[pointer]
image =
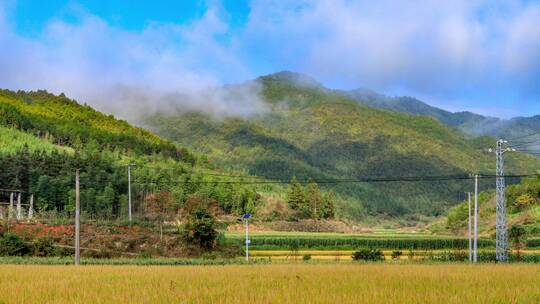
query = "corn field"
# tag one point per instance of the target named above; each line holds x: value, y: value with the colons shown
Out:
x: 261, y: 243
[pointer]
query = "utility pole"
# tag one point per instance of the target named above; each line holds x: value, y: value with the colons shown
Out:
x: 470, y: 228
x: 247, y: 241
x: 77, y: 220
x: 500, y: 223
x: 19, y: 207
x: 31, y: 208
x: 475, y: 256
x: 129, y: 191
x: 10, y: 210
x: 502, y: 237
x: 246, y: 217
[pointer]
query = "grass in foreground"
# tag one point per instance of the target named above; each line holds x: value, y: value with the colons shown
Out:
x: 271, y: 284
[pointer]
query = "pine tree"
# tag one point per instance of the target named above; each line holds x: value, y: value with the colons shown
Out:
x: 328, y: 206
x: 314, y: 204
x: 296, y: 198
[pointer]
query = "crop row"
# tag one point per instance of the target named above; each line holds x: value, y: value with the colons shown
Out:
x: 297, y: 243
x: 533, y: 242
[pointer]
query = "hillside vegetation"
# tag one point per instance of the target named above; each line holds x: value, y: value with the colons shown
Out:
x: 13, y: 141
x: 45, y: 138
x: 63, y: 121
x: 468, y: 122
x: 310, y: 132
x: 523, y: 209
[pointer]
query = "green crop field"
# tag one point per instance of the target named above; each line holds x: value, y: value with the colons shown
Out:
x: 335, y: 241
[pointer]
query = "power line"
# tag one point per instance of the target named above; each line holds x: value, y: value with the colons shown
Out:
x: 201, y: 173
x: 524, y: 136
x: 362, y: 180
x: 524, y: 141
x: 529, y: 151
x: 242, y: 179
x: 525, y: 144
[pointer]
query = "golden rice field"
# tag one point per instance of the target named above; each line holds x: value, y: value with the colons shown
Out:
x: 362, y: 283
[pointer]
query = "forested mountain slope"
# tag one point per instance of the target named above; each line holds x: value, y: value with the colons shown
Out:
x: 308, y: 132
x: 468, y: 122
x: 312, y: 132
x: 45, y: 138
x: 65, y: 122
x: 411, y: 105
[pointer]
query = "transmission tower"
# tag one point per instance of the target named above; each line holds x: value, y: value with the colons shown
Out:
x: 500, y: 224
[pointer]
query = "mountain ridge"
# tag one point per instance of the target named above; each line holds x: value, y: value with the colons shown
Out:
x: 314, y: 132
x: 470, y: 123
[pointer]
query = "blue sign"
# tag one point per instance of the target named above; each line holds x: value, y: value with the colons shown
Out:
x: 246, y: 216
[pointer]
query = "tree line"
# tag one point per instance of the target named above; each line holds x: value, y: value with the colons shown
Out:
x: 309, y: 202
x: 50, y: 177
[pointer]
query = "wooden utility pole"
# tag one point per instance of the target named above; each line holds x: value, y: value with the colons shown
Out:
x: 77, y: 220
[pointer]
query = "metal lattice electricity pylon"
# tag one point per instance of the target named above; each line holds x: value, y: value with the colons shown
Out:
x: 500, y: 224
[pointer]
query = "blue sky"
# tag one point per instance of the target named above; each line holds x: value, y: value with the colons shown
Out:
x: 480, y: 55
x: 31, y: 16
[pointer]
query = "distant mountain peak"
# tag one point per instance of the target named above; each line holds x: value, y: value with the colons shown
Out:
x: 468, y: 122
x: 298, y: 79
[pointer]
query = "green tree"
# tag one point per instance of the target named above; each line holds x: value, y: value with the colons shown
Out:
x: 314, y: 204
x: 296, y: 197
x: 516, y: 234
x: 310, y: 202
x: 200, y: 229
x: 105, y: 201
x: 328, y: 208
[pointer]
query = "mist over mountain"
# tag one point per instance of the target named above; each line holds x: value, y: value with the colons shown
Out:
x: 414, y: 106
x: 312, y: 132
x: 468, y: 122
x: 295, y: 128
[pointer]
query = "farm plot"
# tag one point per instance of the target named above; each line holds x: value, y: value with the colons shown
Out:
x: 336, y: 241
x: 364, y: 283
x: 346, y: 255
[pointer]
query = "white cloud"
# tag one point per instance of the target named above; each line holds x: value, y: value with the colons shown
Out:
x: 121, y: 71
x: 522, y: 52
x: 444, y: 50
x: 429, y: 47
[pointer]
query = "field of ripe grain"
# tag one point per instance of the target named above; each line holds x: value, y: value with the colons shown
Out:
x: 362, y: 283
x: 345, y: 255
